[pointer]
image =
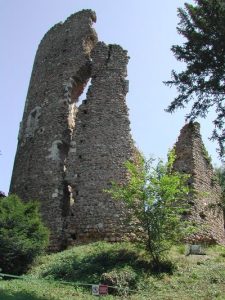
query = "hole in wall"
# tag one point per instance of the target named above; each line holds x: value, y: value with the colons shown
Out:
x: 73, y: 236
x: 41, y: 130
x: 65, y: 204
x: 33, y: 114
x: 191, y: 202
x: 202, y: 215
x: 33, y: 121
x: 83, y: 94
x: 77, y: 86
x: 63, y: 151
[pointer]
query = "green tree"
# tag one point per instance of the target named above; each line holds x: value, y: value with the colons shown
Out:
x: 2, y: 194
x: 202, y: 83
x: 22, y: 234
x: 157, y: 197
x: 220, y: 172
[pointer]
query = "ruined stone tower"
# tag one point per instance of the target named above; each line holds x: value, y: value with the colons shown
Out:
x: 66, y: 154
x: 103, y: 144
x: 205, y: 198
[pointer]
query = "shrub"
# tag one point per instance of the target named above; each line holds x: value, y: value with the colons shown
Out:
x: 123, y: 278
x: 2, y: 195
x: 157, y: 197
x: 22, y: 234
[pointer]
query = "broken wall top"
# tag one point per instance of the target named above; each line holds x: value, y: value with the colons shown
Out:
x: 205, y: 195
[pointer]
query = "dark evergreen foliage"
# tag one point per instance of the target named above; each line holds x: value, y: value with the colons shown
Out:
x: 203, y: 81
x: 22, y: 234
x: 2, y: 195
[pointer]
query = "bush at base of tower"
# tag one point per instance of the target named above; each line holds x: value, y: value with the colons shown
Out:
x: 22, y: 234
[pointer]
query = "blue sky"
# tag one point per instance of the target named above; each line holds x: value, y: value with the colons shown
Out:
x: 146, y: 28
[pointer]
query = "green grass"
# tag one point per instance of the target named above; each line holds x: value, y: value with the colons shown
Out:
x: 122, y: 265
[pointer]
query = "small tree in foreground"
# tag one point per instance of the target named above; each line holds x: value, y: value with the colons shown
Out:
x: 22, y: 234
x: 157, y: 195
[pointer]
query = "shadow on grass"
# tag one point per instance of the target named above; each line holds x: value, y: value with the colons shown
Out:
x: 92, y: 267
x: 8, y: 295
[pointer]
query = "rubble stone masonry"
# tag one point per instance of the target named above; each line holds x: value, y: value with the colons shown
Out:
x: 205, y: 198
x: 102, y: 144
x: 67, y: 154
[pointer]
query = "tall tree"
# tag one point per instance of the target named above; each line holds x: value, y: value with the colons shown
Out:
x: 203, y: 81
x: 220, y: 172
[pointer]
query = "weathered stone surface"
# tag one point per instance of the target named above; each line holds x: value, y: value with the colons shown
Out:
x: 102, y: 145
x: 67, y: 154
x: 61, y: 69
x: 205, y: 198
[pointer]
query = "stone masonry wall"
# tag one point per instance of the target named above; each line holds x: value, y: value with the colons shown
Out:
x: 205, y: 198
x: 61, y: 69
x: 67, y: 154
x: 102, y: 145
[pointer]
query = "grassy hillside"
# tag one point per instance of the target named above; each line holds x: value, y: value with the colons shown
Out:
x: 123, y: 266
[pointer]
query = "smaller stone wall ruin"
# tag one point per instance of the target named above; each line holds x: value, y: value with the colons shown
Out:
x: 205, y: 197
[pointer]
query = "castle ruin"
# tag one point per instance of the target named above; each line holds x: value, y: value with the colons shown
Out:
x: 68, y: 153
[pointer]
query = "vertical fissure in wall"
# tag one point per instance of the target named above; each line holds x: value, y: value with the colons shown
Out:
x: 80, y: 84
x: 83, y: 95
x: 67, y: 199
x: 63, y: 150
x: 65, y: 202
